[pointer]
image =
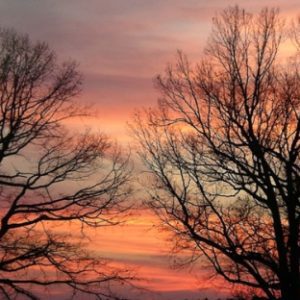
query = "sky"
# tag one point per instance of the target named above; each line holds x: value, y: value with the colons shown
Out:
x: 120, y: 46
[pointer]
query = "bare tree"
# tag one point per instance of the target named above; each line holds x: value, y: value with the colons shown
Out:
x: 223, y: 146
x: 50, y: 176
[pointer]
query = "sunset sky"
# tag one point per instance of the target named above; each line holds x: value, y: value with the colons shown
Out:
x: 120, y: 46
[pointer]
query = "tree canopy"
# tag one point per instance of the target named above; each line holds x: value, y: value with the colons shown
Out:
x: 51, y: 175
x: 222, y: 146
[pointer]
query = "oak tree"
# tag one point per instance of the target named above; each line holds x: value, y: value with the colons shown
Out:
x: 223, y: 150
x: 50, y: 176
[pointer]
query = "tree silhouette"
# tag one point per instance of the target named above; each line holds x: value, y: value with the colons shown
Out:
x: 223, y: 149
x: 50, y: 176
